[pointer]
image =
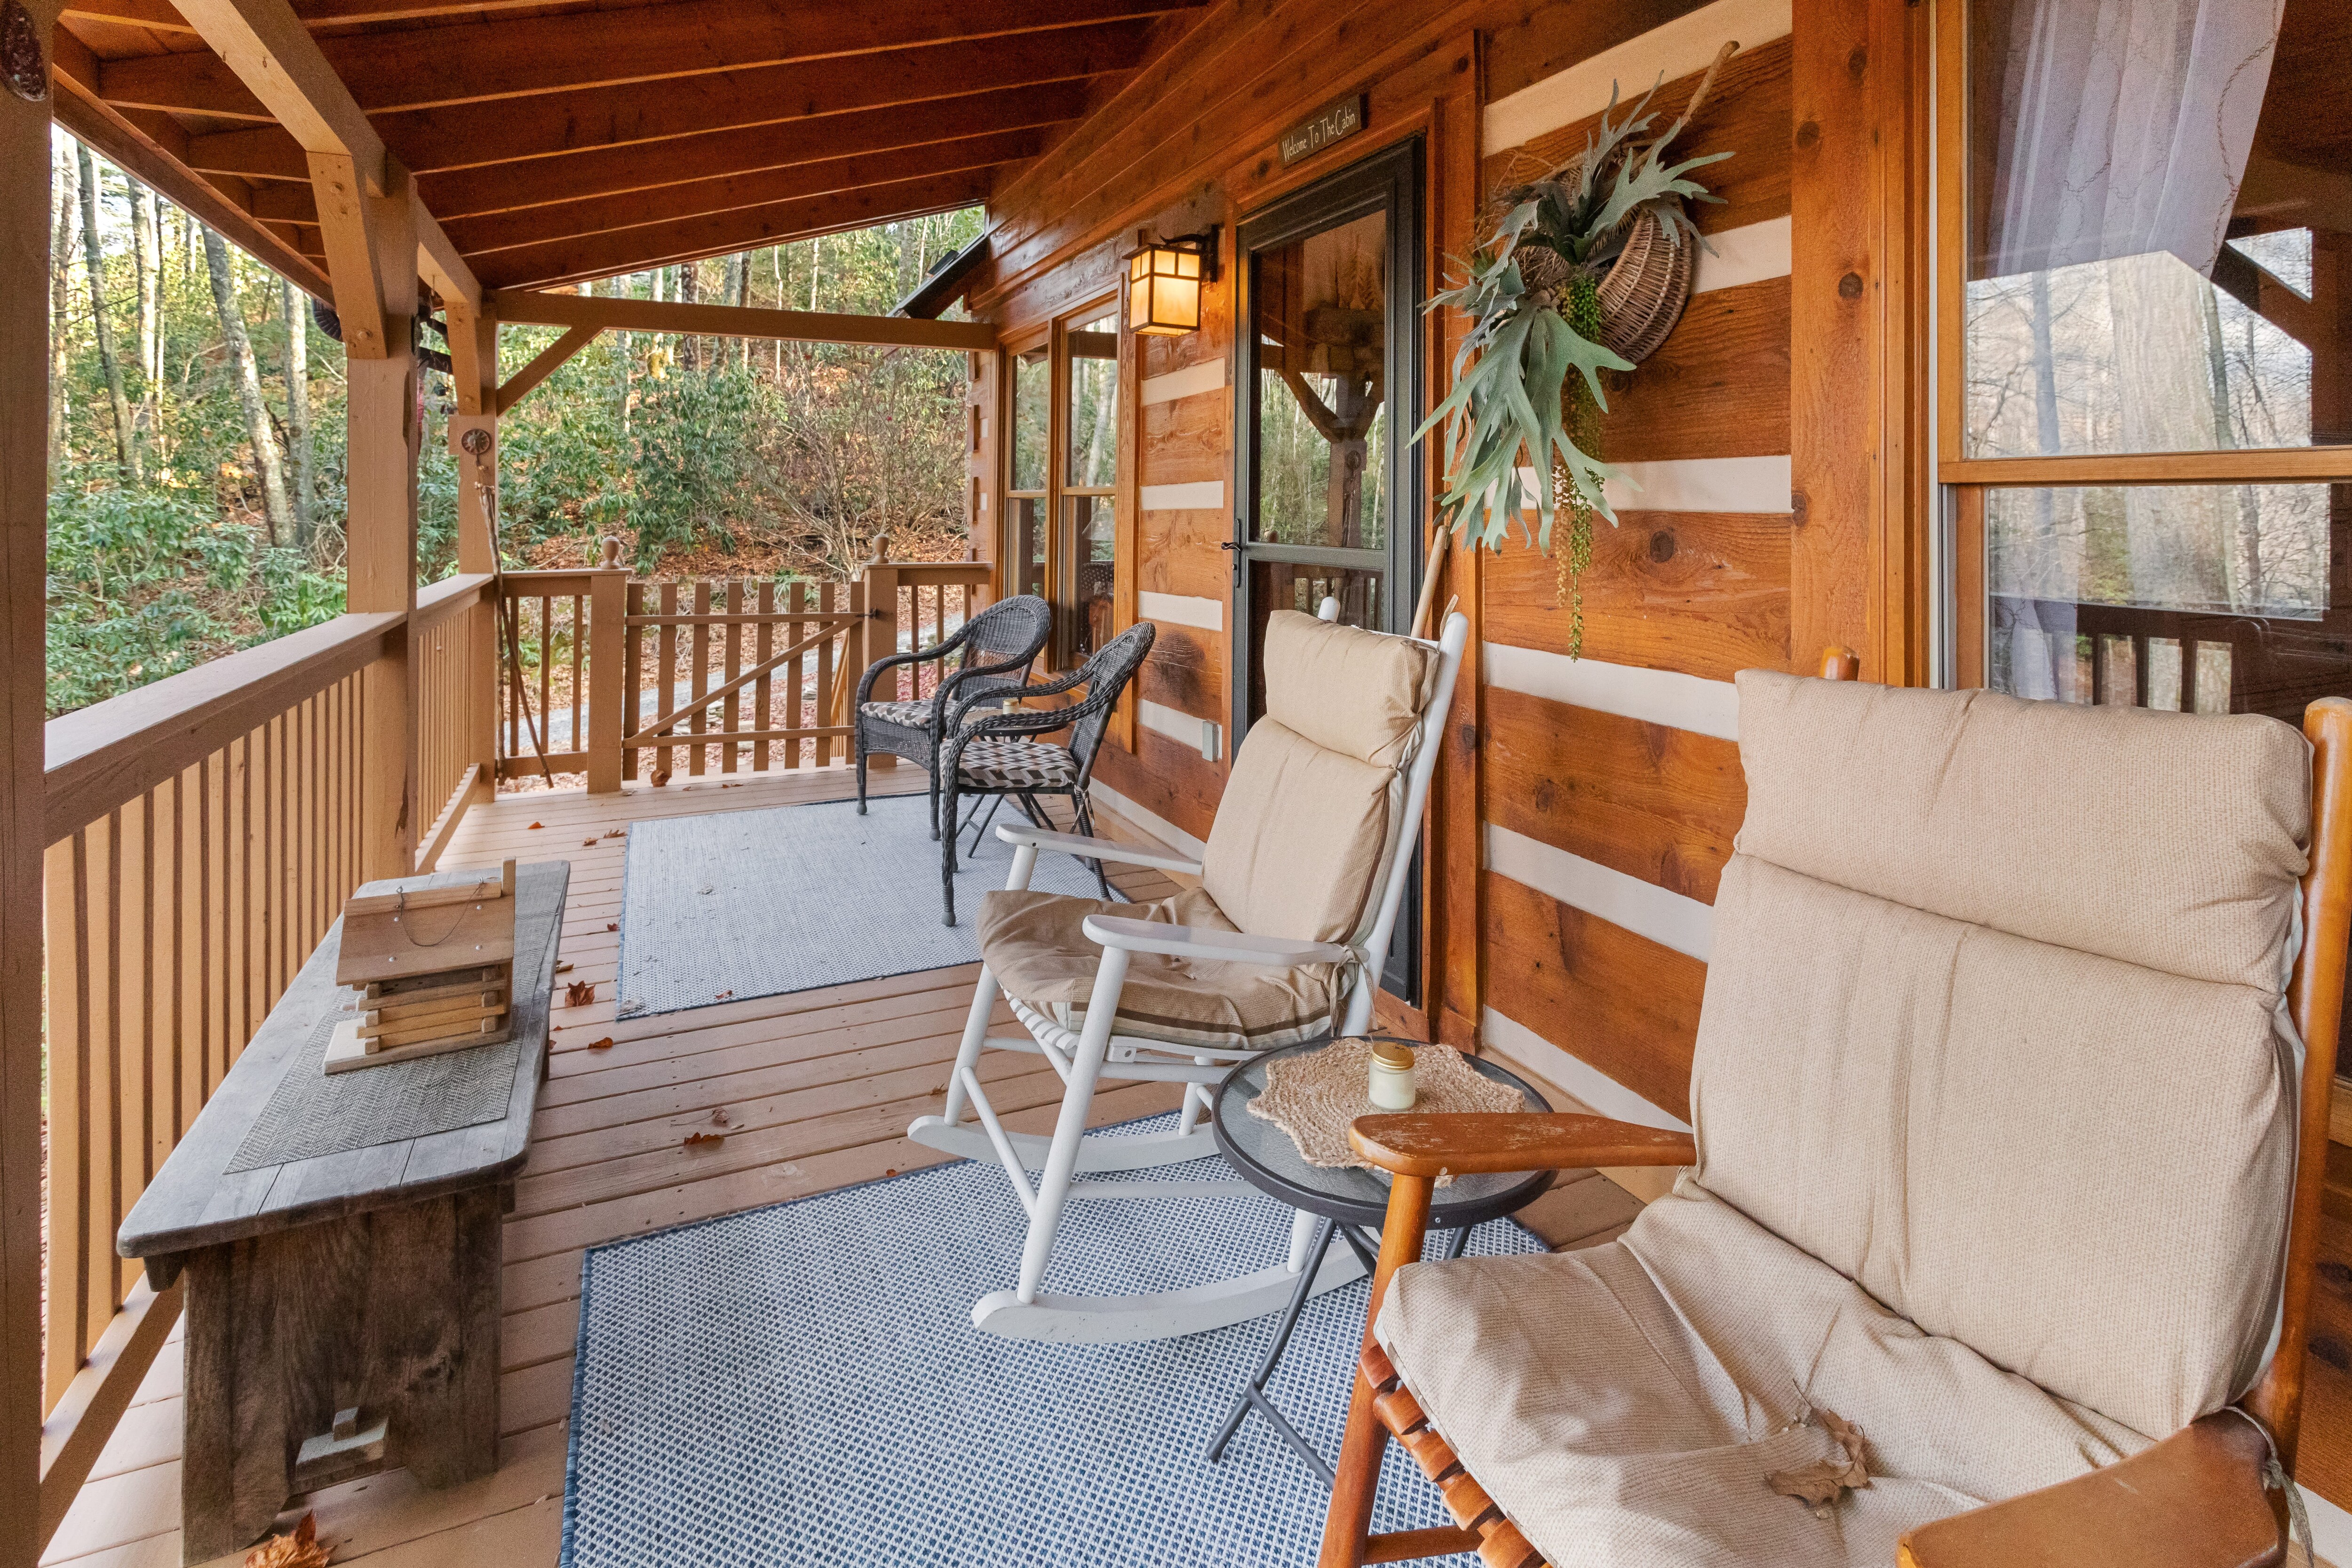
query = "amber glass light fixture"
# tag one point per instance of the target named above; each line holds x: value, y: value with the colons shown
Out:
x: 1163, y: 283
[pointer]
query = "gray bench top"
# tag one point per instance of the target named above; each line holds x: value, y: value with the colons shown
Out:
x: 200, y: 1197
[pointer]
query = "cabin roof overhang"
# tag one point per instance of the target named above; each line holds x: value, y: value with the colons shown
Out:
x: 556, y: 144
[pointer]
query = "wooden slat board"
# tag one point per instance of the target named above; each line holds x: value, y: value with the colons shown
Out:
x: 192, y: 1202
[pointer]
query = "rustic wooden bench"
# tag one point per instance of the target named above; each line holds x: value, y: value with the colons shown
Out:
x: 342, y: 1246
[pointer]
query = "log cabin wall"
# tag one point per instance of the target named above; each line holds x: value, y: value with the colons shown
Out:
x: 1587, y: 809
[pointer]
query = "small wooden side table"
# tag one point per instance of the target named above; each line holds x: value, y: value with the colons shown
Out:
x: 1348, y: 1201
x: 344, y: 1307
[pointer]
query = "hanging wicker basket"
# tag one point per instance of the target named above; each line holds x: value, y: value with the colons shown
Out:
x: 1645, y: 289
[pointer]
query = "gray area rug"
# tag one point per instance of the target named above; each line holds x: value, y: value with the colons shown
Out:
x: 758, y: 903
x: 311, y: 1113
x: 801, y: 1386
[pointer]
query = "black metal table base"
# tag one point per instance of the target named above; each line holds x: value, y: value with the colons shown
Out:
x: 1253, y: 1395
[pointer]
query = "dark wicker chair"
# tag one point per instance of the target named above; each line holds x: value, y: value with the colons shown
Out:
x: 997, y: 754
x: 997, y: 645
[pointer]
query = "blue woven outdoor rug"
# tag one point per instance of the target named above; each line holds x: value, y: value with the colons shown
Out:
x: 801, y: 1386
x: 734, y: 904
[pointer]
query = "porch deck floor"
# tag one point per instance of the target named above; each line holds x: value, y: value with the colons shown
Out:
x: 818, y: 1086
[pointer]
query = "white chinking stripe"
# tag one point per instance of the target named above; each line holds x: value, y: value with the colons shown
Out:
x: 1682, y: 47
x: 1182, y: 609
x: 1201, y: 495
x: 1172, y: 722
x: 1597, y: 1091
x: 1185, y: 382
x: 1152, y: 822
x: 1693, y: 484
x: 1654, y: 696
x: 1749, y: 254
x: 1668, y: 918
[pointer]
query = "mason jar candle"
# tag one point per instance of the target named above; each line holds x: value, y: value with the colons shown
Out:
x: 1391, y: 1076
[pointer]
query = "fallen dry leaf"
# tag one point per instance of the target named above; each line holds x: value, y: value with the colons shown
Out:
x: 612, y: 925
x: 587, y: 844
x: 705, y: 1140
x: 604, y: 1044
x: 563, y: 969
x: 580, y: 993
x: 719, y: 1117
x: 537, y: 825
x: 722, y: 995
x: 298, y: 1549
x: 661, y: 778
x: 1822, y: 1482
x: 890, y: 1172
x: 618, y: 832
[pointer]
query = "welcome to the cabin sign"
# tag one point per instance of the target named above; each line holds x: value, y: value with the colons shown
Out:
x: 1332, y: 122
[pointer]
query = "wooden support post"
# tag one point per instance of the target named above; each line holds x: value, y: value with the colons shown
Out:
x: 380, y: 558
x: 24, y: 609
x: 608, y: 678
x: 474, y: 443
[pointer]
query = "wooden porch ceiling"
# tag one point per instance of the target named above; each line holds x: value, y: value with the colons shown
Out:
x: 579, y: 138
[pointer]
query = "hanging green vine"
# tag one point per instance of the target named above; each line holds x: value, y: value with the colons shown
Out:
x: 1526, y: 391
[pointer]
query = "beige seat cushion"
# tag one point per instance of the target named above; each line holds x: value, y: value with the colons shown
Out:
x: 1035, y: 945
x: 1992, y: 1024
x: 1624, y: 1403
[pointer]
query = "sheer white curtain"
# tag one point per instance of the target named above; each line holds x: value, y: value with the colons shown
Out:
x: 2124, y: 127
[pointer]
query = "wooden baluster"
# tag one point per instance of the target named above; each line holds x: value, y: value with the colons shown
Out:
x: 701, y: 720
x: 796, y: 603
x: 731, y: 720
x: 632, y: 676
x: 818, y: 708
x: 102, y: 1094
x: 65, y: 937
x: 546, y: 668
x: 763, y: 696
x: 579, y: 688
x: 664, y: 758
x: 610, y: 674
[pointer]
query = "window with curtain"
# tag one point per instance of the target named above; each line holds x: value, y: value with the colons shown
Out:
x: 2149, y: 400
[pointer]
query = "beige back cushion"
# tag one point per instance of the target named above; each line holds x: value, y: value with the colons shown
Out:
x: 1303, y: 831
x: 1991, y: 1025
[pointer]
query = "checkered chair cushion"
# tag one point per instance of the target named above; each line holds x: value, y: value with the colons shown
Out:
x: 912, y: 715
x: 991, y: 763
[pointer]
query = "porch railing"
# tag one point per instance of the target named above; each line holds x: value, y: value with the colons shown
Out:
x: 642, y: 681
x: 203, y: 833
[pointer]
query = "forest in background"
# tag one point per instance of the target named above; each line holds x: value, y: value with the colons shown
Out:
x: 198, y: 419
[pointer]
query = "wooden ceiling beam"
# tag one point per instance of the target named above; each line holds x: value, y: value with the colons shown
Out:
x: 612, y: 171
x: 275, y: 58
x: 534, y: 226
x: 154, y: 148
x: 263, y: 153
x: 524, y: 307
x: 483, y: 59
x: 465, y: 136
x: 722, y: 234
x: 160, y: 15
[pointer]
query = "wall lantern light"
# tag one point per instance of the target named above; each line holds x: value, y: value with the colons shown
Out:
x: 1163, y: 282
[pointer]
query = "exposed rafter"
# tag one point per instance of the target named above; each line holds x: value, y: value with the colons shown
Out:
x: 534, y: 226
x: 489, y: 59
x: 721, y: 233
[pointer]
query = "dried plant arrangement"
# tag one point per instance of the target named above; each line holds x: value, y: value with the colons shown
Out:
x: 1585, y: 270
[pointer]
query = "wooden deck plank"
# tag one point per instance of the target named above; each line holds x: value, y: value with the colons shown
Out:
x: 819, y: 1087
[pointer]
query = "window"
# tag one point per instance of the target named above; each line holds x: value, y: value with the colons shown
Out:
x: 2146, y: 294
x: 1060, y: 511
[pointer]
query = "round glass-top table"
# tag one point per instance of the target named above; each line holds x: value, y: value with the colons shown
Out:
x: 1348, y: 1202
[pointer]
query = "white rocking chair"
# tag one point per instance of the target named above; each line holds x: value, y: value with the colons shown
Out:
x: 1284, y: 940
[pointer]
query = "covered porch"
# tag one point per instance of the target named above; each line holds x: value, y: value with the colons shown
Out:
x: 1196, y: 340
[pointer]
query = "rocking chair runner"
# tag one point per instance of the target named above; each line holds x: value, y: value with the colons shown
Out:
x: 1282, y: 941
x: 997, y: 645
x: 1998, y: 1157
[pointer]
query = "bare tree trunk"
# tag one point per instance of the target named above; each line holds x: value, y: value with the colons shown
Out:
x: 126, y: 450
x: 297, y: 410
x: 274, y: 510
x: 147, y: 264
x: 689, y: 347
x: 739, y: 294
x: 817, y: 266
x: 60, y: 309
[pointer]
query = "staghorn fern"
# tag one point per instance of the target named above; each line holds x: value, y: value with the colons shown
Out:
x: 1530, y: 294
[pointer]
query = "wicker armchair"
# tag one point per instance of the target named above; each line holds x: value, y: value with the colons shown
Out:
x: 998, y: 754
x: 997, y: 645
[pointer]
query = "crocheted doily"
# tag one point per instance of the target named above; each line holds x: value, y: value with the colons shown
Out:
x: 1315, y: 1096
